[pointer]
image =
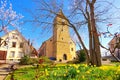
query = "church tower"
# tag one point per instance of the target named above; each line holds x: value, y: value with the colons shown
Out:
x: 64, y: 47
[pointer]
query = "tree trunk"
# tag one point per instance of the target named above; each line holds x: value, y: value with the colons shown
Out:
x: 90, y: 37
x: 80, y: 40
x: 96, y: 55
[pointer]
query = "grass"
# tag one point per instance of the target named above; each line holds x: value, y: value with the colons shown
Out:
x: 68, y: 72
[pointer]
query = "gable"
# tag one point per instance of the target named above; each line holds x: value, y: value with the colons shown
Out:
x: 15, y: 34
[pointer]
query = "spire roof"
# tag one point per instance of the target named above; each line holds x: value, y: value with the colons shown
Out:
x: 61, y: 14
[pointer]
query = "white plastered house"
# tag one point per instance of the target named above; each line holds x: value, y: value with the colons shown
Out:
x: 16, y: 46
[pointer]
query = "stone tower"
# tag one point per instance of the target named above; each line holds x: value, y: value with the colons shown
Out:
x: 64, y: 47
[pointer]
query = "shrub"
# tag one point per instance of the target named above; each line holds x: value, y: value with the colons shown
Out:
x: 33, y: 61
x: 26, y: 60
x: 81, y: 56
x: 46, y: 59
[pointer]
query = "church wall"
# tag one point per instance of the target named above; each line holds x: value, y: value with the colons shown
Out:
x: 49, y: 48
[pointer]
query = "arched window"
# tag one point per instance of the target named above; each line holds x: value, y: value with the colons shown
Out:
x: 64, y: 57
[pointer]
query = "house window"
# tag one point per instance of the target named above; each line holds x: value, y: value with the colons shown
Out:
x: 13, y: 44
x: 112, y: 46
x: 71, y: 49
x: 20, y: 54
x: 21, y: 45
x: 13, y: 37
x: 11, y: 59
x: 12, y: 54
x: 5, y: 43
x: 118, y: 40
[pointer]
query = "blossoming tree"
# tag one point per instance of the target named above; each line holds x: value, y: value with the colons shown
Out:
x: 8, y: 18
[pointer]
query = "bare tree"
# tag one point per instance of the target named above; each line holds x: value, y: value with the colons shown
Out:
x: 86, y: 8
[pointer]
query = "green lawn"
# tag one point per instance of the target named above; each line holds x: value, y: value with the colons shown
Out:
x: 68, y: 72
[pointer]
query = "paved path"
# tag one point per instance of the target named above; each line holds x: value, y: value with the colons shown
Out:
x: 4, y: 71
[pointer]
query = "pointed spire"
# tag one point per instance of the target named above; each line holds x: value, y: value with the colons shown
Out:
x: 60, y: 14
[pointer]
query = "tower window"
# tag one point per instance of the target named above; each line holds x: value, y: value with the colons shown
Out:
x: 62, y: 38
x: 63, y: 23
x: 71, y: 49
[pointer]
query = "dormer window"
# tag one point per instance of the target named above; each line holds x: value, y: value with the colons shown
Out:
x: 14, y: 36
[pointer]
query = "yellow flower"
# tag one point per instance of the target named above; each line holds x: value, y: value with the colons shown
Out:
x: 66, y: 71
x: 118, y: 70
x: 88, y: 72
x: 55, y: 74
x: 47, y: 74
x: 76, y: 66
x: 45, y: 70
x: 64, y: 74
x: 70, y: 65
x: 86, y: 65
x: 83, y: 77
x: 94, y: 65
x: 104, y: 68
x: 58, y: 68
x: 78, y: 71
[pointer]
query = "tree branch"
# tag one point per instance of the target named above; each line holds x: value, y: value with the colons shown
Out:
x: 112, y: 52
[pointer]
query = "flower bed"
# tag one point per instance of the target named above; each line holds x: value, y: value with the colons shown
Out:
x: 68, y: 72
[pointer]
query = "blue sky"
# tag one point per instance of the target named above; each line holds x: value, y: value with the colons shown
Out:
x: 35, y: 33
x: 28, y: 30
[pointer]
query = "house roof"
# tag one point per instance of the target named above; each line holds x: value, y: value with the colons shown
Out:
x: 113, y: 41
x: 109, y: 57
x: 16, y: 32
